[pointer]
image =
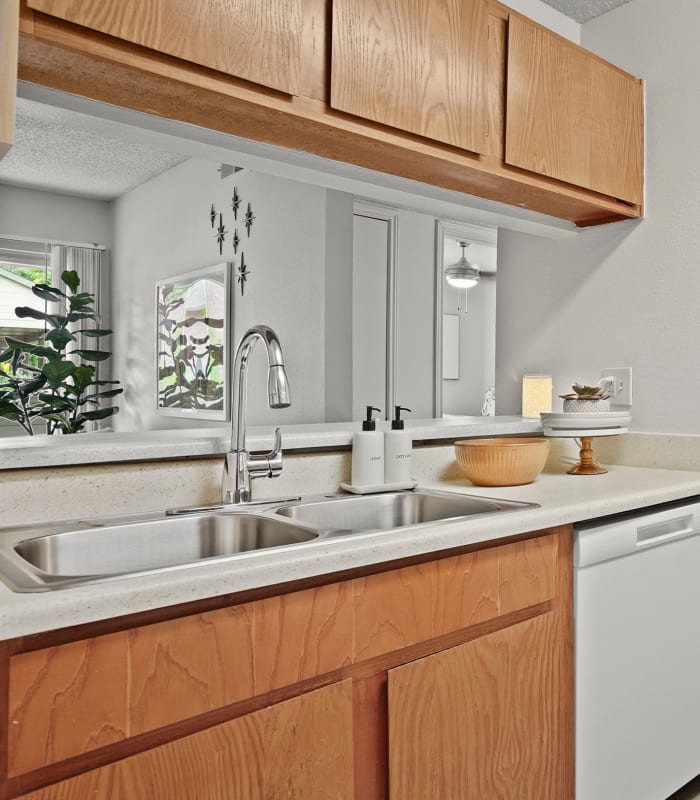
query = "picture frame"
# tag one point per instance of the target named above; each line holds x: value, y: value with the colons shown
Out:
x: 450, y: 347
x: 193, y: 348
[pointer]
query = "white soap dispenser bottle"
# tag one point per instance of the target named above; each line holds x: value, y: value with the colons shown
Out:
x: 398, y: 447
x: 368, y: 453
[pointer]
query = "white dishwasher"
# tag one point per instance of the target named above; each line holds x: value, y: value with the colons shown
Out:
x: 637, y: 624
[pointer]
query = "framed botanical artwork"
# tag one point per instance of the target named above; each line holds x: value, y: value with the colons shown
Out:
x: 193, y: 324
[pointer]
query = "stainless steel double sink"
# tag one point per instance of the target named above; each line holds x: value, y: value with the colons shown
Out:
x: 46, y: 557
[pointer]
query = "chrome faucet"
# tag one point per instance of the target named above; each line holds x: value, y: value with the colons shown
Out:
x: 240, y: 466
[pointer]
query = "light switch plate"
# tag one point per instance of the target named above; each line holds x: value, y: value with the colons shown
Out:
x: 621, y: 394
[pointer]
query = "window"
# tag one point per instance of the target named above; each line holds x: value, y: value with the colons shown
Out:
x: 25, y: 263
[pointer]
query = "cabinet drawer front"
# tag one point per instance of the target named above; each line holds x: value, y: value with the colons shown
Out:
x: 299, y: 748
x: 76, y: 697
x: 402, y: 607
x: 527, y: 572
x: 259, y: 42
x: 572, y: 116
x: 67, y: 700
x: 73, y: 698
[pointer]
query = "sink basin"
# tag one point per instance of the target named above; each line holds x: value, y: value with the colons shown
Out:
x: 98, y: 551
x: 45, y: 557
x: 355, y: 514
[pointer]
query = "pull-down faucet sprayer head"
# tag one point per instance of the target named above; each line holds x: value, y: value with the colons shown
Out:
x: 278, y: 395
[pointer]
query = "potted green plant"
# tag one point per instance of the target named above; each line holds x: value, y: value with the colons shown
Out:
x: 47, y: 382
x: 585, y: 399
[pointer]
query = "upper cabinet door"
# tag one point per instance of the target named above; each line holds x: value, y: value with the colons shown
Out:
x: 417, y: 65
x: 253, y: 40
x: 572, y: 116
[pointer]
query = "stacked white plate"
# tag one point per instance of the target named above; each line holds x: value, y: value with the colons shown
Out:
x: 591, y: 423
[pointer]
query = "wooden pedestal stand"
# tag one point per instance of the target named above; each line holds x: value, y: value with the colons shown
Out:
x: 587, y: 464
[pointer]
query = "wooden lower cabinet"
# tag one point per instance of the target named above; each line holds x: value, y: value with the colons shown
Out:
x: 301, y: 748
x: 445, y: 679
x: 480, y: 721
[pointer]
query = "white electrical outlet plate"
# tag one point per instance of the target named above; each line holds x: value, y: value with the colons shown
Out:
x: 621, y: 394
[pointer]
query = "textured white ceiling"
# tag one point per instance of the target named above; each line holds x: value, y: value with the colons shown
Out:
x: 583, y: 10
x: 72, y: 153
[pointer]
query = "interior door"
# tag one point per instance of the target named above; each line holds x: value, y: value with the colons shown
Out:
x: 417, y: 65
x: 572, y: 116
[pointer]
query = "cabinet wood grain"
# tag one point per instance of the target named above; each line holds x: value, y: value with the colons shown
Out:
x: 299, y: 748
x: 302, y: 634
x: 70, y: 699
x: 467, y: 590
x: 73, y: 59
x: 572, y: 116
x: 9, y: 36
x: 259, y: 42
x: 417, y: 65
x: 480, y: 719
x: 393, y: 609
x: 188, y: 666
x: 527, y: 572
x: 66, y: 700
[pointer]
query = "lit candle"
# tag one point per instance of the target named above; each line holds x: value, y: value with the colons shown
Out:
x: 537, y: 395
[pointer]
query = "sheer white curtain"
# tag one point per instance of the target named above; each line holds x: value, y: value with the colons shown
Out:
x: 89, y: 263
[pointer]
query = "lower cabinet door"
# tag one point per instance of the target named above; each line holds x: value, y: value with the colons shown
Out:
x: 300, y: 748
x: 480, y: 721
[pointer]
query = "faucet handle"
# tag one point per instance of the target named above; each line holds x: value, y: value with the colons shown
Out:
x: 276, y: 447
x: 268, y: 465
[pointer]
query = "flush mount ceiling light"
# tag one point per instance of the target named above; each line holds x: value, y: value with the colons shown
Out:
x: 463, y: 274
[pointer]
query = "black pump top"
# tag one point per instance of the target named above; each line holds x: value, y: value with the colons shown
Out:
x: 369, y: 424
x: 397, y: 422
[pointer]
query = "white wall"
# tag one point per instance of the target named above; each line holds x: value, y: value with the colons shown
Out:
x: 162, y: 228
x: 626, y: 294
x: 415, y: 314
x: 54, y: 217
x: 477, y: 342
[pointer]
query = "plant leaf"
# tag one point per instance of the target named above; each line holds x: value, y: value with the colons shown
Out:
x: 95, y: 332
x: 24, y: 311
x: 33, y: 349
x: 99, y: 413
x: 57, y: 371
x: 9, y: 410
x: 71, y: 279
x: 48, y: 293
x: 29, y: 387
x: 92, y: 355
x: 59, y: 337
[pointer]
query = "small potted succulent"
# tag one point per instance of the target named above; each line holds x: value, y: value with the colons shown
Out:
x: 585, y: 399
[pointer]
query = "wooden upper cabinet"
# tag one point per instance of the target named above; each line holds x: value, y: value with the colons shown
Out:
x: 9, y: 29
x: 417, y: 65
x: 572, y: 116
x: 253, y: 40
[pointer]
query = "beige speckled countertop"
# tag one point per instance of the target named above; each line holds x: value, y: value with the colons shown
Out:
x: 562, y: 499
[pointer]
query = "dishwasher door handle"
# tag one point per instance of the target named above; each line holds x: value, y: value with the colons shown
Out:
x: 659, y: 532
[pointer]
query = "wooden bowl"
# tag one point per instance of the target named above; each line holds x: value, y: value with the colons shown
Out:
x: 502, y: 462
